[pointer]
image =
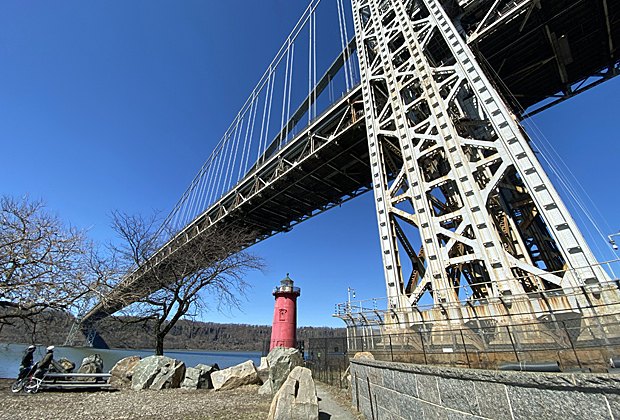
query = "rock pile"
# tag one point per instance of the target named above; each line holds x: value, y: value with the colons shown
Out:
x: 159, y: 372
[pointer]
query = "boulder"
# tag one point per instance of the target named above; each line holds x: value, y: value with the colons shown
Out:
x: 157, y: 372
x: 199, y: 377
x: 296, y: 398
x: 91, y: 364
x: 263, y: 370
x: 63, y: 365
x: 192, y: 378
x: 122, y: 372
x: 235, y: 376
x: 281, y: 362
x: 363, y: 355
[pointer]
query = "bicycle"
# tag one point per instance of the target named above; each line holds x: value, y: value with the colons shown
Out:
x: 24, y: 377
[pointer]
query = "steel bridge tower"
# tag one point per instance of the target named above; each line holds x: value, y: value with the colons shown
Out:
x: 450, y: 161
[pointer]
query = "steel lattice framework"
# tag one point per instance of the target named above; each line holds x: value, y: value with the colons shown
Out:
x: 449, y: 159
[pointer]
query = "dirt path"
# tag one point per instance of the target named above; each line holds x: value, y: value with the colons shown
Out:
x: 334, y: 404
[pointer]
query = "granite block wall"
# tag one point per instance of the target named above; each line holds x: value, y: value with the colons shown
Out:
x: 388, y: 390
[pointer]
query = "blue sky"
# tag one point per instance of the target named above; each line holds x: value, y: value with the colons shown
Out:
x: 116, y: 104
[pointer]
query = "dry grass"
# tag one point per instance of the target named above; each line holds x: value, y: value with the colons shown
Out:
x: 240, y: 403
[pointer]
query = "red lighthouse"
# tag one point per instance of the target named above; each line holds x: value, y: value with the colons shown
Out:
x: 284, y: 327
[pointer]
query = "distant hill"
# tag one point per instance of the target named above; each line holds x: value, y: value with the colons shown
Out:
x: 124, y: 332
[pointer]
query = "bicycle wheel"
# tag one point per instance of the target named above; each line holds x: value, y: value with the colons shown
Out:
x: 32, y: 387
x: 18, y: 385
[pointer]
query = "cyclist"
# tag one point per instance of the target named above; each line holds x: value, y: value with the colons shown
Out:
x: 45, y: 363
x: 26, y: 363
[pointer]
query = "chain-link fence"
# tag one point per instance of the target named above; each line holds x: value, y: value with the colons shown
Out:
x: 328, y: 358
x: 570, y: 344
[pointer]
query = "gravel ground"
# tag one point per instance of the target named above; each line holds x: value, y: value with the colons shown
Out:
x: 240, y: 403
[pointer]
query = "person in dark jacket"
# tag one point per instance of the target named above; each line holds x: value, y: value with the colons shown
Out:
x: 26, y: 363
x: 45, y: 363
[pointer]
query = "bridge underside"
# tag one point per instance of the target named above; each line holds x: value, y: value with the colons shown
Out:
x: 534, y: 52
x: 542, y: 52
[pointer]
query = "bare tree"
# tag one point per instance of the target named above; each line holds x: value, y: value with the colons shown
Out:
x: 42, y: 262
x: 213, y: 267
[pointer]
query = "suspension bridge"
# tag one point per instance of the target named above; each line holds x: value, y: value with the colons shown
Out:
x: 421, y: 103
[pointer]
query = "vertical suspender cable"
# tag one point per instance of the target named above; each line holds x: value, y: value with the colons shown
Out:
x: 203, y: 193
x: 247, y: 156
x: 310, y: 84
x: 268, y: 115
x: 231, y: 146
x: 288, y: 58
x: 314, y: 38
x: 236, y: 142
x: 288, y: 94
x: 264, y: 118
x: 342, y: 43
x: 241, y: 171
x: 216, y: 170
x: 347, y: 57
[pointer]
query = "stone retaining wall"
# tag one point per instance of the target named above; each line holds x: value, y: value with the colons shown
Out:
x: 388, y: 390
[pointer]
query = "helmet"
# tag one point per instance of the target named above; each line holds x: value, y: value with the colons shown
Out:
x: 50, y: 348
x: 32, y: 348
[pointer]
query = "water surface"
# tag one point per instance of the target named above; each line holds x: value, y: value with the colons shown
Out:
x: 11, y: 354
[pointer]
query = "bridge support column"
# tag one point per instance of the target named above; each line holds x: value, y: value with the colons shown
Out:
x: 450, y: 162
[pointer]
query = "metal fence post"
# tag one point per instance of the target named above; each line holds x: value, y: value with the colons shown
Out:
x: 465, y: 348
x: 423, y: 348
x: 570, y: 340
x: 514, y: 349
x: 391, y: 352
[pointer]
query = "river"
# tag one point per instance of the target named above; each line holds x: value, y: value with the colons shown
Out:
x: 11, y: 354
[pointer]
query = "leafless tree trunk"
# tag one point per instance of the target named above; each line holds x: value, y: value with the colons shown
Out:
x: 215, y: 267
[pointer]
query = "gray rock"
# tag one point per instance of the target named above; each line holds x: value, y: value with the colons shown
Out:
x: 64, y: 365
x: 199, y: 377
x: 205, y: 375
x: 157, y: 372
x: 91, y: 364
x: 266, y: 389
x: 296, y: 398
x: 192, y: 378
x: 263, y: 370
x: 122, y: 372
x: 235, y: 376
x: 281, y: 362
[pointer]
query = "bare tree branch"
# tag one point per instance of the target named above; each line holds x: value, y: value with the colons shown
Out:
x: 43, y: 263
x: 214, y: 266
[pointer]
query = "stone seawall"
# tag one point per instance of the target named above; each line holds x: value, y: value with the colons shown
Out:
x: 388, y: 390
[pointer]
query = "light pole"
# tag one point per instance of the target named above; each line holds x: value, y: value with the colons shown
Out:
x: 612, y: 241
x: 350, y: 292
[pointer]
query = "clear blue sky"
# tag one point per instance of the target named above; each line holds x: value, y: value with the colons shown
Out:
x: 116, y: 104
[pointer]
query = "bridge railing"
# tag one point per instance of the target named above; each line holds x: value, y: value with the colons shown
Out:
x: 381, y: 311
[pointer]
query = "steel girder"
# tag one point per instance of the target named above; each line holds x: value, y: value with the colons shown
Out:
x: 449, y: 160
